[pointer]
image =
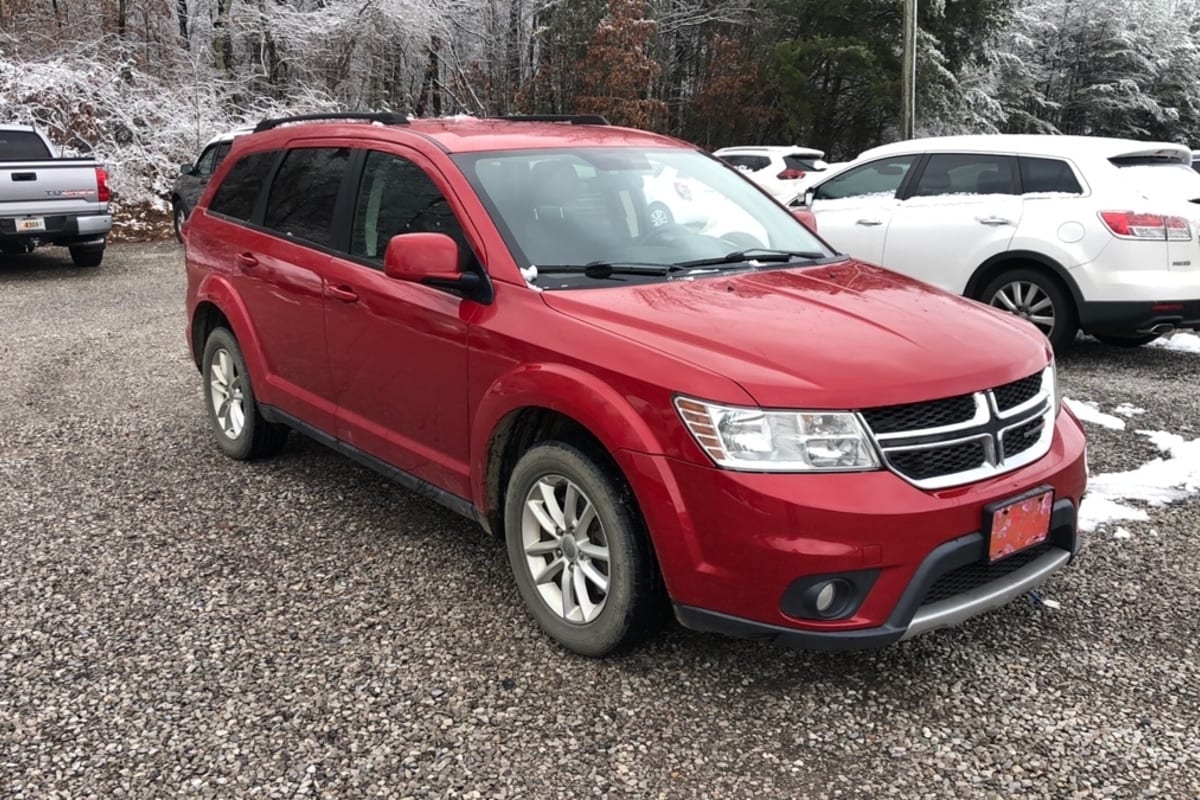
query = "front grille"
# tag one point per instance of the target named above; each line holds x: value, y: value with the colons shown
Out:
x: 1021, y: 438
x: 956, y: 440
x: 1011, y: 395
x: 912, y: 416
x: 930, y: 463
x: 972, y: 576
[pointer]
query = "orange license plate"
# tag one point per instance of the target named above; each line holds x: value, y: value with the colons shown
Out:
x: 1019, y: 523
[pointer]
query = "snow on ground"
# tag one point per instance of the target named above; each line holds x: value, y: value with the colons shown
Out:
x: 1164, y: 480
x: 1128, y: 410
x: 1180, y: 340
x: 1088, y: 411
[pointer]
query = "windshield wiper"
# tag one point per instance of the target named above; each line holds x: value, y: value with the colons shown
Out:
x: 757, y: 254
x: 604, y: 269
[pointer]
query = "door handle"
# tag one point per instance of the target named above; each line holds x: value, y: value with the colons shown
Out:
x: 343, y: 293
x: 993, y: 221
x: 869, y: 222
x: 246, y: 260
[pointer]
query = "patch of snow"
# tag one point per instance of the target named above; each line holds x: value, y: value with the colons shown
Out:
x: 530, y: 275
x: 1180, y: 340
x: 1128, y: 410
x: 1090, y: 412
x: 1122, y: 533
x: 1155, y: 483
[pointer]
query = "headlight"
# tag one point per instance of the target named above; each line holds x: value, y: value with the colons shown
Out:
x: 778, y: 441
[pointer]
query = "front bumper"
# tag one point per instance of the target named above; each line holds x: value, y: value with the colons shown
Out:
x: 912, y: 615
x: 731, y: 545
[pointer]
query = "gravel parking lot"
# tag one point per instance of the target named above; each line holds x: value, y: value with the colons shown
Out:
x: 175, y: 624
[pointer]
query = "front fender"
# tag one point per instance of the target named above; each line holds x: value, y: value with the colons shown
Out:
x: 572, y: 392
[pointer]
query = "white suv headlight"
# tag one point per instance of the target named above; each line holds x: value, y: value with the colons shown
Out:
x: 756, y: 440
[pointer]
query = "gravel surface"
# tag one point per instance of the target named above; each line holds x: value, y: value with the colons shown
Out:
x: 175, y: 624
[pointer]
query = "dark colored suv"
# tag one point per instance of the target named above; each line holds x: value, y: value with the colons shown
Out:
x: 777, y: 439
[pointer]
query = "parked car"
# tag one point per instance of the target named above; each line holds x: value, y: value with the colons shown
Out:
x: 1069, y: 232
x: 194, y: 177
x: 780, y: 440
x: 49, y: 199
x: 782, y: 171
x: 672, y: 199
x: 1196, y: 160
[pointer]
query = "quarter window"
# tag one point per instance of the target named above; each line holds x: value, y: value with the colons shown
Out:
x: 236, y: 195
x: 1048, y: 175
x: 880, y: 178
x: 396, y: 196
x: 304, y: 193
x: 967, y: 173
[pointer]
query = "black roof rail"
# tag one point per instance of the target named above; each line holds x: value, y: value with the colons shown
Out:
x: 384, y: 117
x: 574, y: 119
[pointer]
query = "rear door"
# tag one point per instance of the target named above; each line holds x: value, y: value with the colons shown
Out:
x: 854, y: 208
x: 961, y: 209
x: 276, y: 263
x: 398, y: 350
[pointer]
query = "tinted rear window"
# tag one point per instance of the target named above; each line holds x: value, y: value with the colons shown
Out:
x: 305, y: 191
x: 236, y: 195
x: 1048, y: 175
x: 747, y: 162
x: 22, y: 146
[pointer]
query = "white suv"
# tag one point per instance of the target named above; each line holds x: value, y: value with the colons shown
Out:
x: 783, y: 171
x: 1070, y: 232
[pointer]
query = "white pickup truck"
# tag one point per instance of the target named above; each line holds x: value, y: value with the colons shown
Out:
x: 45, y: 199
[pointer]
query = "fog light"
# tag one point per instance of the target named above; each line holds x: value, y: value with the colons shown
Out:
x: 825, y: 597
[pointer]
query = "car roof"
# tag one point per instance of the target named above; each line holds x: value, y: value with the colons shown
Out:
x: 1033, y: 144
x: 229, y: 136
x: 771, y: 149
x: 466, y: 134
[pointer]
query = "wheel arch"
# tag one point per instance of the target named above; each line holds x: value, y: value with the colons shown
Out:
x: 1016, y: 259
x: 540, y: 403
x: 217, y: 304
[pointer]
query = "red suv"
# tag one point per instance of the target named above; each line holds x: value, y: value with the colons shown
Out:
x: 781, y: 441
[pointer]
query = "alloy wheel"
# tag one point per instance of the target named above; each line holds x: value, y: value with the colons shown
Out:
x: 1028, y: 301
x: 566, y: 550
x: 226, y: 394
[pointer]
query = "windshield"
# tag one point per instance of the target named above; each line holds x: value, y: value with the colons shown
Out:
x: 646, y: 214
x: 1165, y: 179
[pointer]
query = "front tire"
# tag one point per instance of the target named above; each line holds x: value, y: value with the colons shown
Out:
x: 579, y: 551
x: 87, y: 256
x: 241, y: 431
x: 179, y: 216
x: 1037, y: 297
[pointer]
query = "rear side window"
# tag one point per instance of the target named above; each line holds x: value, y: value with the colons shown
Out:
x: 236, y: 195
x: 752, y: 163
x: 396, y: 196
x: 1048, y: 175
x: 22, y: 146
x: 304, y: 193
x: 967, y: 173
x: 878, y: 179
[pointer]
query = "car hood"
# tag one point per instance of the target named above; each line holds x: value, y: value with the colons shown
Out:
x: 845, y: 335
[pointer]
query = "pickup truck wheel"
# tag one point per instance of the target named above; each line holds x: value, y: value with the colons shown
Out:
x: 87, y: 256
x: 179, y: 215
x: 241, y: 431
x: 579, y: 551
x: 1035, y: 296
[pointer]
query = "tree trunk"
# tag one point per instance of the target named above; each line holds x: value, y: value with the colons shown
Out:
x: 181, y: 9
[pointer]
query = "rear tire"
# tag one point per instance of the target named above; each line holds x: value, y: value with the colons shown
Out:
x: 1135, y: 340
x: 87, y: 256
x: 241, y: 431
x: 1039, y: 298
x: 579, y: 551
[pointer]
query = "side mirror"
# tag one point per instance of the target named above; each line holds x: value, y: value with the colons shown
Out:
x: 187, y: 169
x: 809, y: 196
x: 432, y: 259
x: 807, y: 218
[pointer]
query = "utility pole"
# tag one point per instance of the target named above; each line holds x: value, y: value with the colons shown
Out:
x: 908, y: 71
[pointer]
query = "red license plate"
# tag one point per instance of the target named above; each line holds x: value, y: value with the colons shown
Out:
x: 1018, y: 524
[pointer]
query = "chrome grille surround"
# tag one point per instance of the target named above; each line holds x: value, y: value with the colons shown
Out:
x: 989, y: 427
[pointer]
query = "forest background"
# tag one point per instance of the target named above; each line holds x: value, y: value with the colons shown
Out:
x: 142, y: 84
